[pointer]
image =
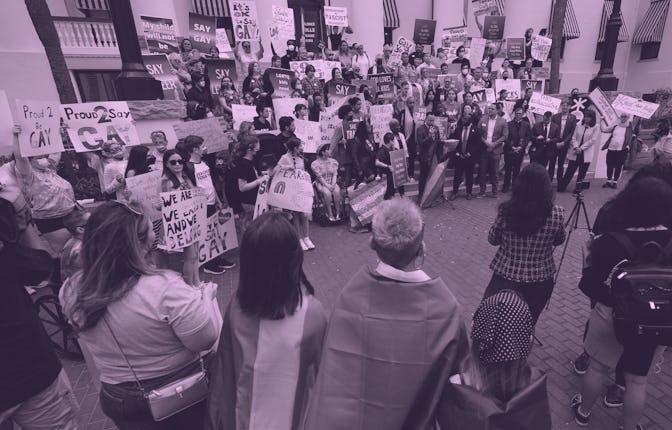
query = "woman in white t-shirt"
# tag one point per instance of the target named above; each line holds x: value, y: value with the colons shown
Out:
x: 617, y: 146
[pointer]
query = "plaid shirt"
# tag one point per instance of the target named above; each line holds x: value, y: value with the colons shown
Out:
x: 527, y: 258
x: 310, y: 87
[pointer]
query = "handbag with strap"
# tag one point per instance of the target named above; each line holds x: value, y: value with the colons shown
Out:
x: 173, y: 397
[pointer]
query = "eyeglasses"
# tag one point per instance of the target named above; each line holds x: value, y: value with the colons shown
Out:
x: 175, y: 162
x: 127, y: 206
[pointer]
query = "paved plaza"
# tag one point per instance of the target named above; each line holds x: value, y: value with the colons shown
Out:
x: 458, y: 252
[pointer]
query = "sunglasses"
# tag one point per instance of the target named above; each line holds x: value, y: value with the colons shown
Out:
x: 175, y: 162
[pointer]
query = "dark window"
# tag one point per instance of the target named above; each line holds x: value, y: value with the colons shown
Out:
x: 388, y: 35
x: 599, y: 51
x: 649, y: 51
x: 96, y: 85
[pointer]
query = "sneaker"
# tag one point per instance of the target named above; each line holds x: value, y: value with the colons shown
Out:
x: 581, y: 363
x: 303, y: 245
x: 309, y: 243
x: 213, y: 268
x: 579, y: 418
x: 452, y: 197
x: 223, y: 262
x: 614, y: 396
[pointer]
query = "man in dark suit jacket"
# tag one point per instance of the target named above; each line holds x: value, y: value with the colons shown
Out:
x: 467, y: 152
x: 494, y: 132
x: 520, y: 134
x: 545, y: 137
x: 566, y: 123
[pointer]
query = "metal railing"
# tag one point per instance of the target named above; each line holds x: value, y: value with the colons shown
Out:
x: 91, y: 36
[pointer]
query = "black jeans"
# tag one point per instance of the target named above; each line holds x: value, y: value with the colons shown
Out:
x: 489, y: 168
x: 571, y: 169
x: 424, y: 175
x: 512, y: 163
x: 558, y: 155
x: 536, y: 294
x: 412, y: 149
x: 463, y: 167
x: 615, y: 162
x: 125, y: 405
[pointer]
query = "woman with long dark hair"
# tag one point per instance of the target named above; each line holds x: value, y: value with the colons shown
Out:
x: 254, y: 82
x: 144, y: 327
x: 138, y: 162
x: 363, y: 153
x: 527, y: 228
x: 273, y: 314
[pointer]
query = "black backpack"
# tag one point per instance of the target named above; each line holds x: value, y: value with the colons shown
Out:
x: 642, y: 290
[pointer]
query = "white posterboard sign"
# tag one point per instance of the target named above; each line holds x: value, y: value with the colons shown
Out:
x: 309, y: 133
x: 292, y: 190
x: 403, y: 45
x: 242, y: 113
x: 183, y: 213
x: 633, y: 106
x: 285, y: 107
x: 244, y: 18
x: 261, y: 204
x: 540, y: 103
x: 92, y: 124
x: 381, y: 115
x: 512, y: 87
x: 541, y: 47
x: 603, y: 106
x: 145, y: 189
x: 218, y: 235
x: 337, y: 16
x: 40, y: 123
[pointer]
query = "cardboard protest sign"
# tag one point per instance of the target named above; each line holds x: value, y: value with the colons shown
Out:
x: 283, y: 18
x: 223, y: 44
x: 309, y: 133
x: 443, y: 125
x: 483, y: 7
x: 490, y: 96
x: 337, y: 16
x: 202, y: 32
x: 603, y: 106
x: 420, y: 114
x: 384, y: 84
x: 542, y: 72
x: 157, y: 65
x: 280, y: 80
x: 476, y: 50
x: 381, y: 115
x: 261, y: 204
x: 540, y: 103
x: 493, y: 27
x: 633, y: 106
x: 244, y: 18
x: 160, y: 34
x: 328, y: 67
x: 453, y: 35
x: 293, y: 190
x: 424, y: 31
x: 338, y: 91
x: 541, y: 47
x: 218, y: 235
x: 515, y: 48
x: 365, y: 199
x: 6, y: 126
x: 402, y: 45
x: 183, y: 213
x: 512, y: 86
x: 479, y: 96
x: 349, y: 129
x: 91, y: 124
x: 242, y: 113
x: 145, y: 189
x: 285, y: 106
x: 209, y: 129
x: 40, y: 127
x: 399, y: 167
x: 299, y: 67
x: 508, y: 108
x: 537, y: 85
x: 217, y: 69
x: 330, y: 122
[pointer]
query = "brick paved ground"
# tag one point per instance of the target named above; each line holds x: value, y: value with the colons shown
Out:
x: 457, y: 251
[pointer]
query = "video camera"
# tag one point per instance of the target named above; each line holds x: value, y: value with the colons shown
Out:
x: 581, y: 186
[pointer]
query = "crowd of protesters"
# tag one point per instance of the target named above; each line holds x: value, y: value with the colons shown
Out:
x: 276, y: 361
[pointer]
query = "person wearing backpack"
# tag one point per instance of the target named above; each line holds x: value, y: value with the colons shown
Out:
x: 644, y: 238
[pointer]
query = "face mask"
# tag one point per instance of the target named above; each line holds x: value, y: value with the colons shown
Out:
x: 291, y: 48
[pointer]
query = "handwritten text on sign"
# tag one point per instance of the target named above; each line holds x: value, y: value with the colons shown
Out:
x: 182, y: 213
x: 603, y: 106
x: 91, y: 124
x: 218, y: 235
x: 540, y: 103
x: 293, y: 190
x: 40, y: 127
x: 145, y: 189
x: 337, y: 16
x: 309, y: 133
x: 634, y: 106
x: 244, y: 17
x: 261, y: 204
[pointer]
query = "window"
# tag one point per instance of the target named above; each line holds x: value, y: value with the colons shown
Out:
x: 387, y: 35
x: 599, y: 51
x: 649, y: 51
x: 96, y: 85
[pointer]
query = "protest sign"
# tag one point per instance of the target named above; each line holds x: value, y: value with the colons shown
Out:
x: 368, y: 83
x: 285, y: 106
x: 476, y: 50
x: 508, y: 108
x: 447, y: 81
x: 40, y: 127
x: 160, y: 34
x: 443, y: 124
x: 330, y: 122
x: 420, y: 114
x: 483, y: 7
x: 365, y: 199
x: 542, y: 72
x: 453, y: 35
x: 145, y: 190
x: 349, y: 128
x: 91, y: 124
x: 540, y: 103
x: 218, y: 235
x: 604, y: 107
x: 202, y: 32
x: 280, y: 80
x: 293, y: 190
x: 337, y: 16
x: 402, y: 45
x: 338, y: 91
x: 512, y: 86
x: 398, y: 167
x: 223, y: 44
x: 384, y: 84
x: 309, y: 133
x: 6, y: 126
x: 183, y: 213
x: 515, y: 48
x: 537, y: 85
x: 261, y: 204
x: 311, y: 18
x: 322, y: 70
x: 283, y: 18
x: 209, y: 129
x: 493, y: 27
x: 381, y: 115
x: 328, y: 67
x: 430, y: 73
x: 244, y: 19
x: 490, y: 96
x: 479, y: 96
x: 242, y: 113
x: 219, y: 68
x: 633, y: 106
x: 424, y: 31
x: 157, y: 65
x: 541, y: 47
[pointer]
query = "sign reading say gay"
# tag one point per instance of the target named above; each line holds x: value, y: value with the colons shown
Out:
x: 92, y: 124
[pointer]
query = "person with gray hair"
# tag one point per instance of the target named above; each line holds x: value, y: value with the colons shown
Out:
x: 392, y: 326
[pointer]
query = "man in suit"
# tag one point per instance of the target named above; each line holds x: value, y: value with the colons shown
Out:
x: 545, y: 137
x: 467, y: 152
x: 566, y: 123
x: 520, y: 134
x: 494, y: 132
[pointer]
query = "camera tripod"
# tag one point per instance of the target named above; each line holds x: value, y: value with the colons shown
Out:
x: 573, y: 224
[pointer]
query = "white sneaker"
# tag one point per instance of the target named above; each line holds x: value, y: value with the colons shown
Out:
x: 304, y: 246
x: 308, y: 243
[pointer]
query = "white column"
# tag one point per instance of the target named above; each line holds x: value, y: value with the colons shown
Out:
x: 366, y: 19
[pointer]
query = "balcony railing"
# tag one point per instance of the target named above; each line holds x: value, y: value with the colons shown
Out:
x: 86, y: 36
